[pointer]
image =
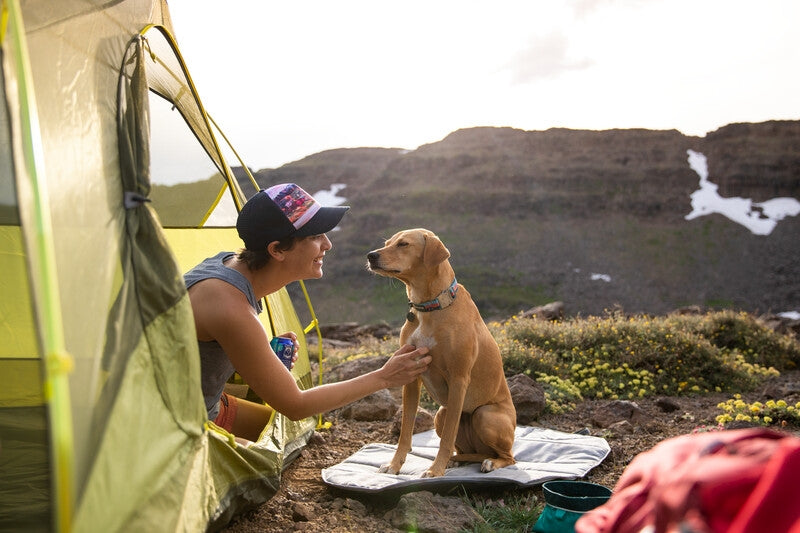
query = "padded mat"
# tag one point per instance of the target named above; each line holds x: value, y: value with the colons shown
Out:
x: 541, y: 455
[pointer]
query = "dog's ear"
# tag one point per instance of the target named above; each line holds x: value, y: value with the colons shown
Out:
x: 435, y: 251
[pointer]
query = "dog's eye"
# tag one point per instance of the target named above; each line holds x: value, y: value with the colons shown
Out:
x: 401, y: 244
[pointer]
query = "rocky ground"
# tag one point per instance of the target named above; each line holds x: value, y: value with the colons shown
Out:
x: 305, y: 503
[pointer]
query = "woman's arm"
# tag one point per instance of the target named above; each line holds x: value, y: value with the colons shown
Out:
x: 223, y: 314
x: 404, y: 366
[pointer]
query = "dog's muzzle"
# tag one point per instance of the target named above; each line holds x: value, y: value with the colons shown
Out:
x: 373, y: 258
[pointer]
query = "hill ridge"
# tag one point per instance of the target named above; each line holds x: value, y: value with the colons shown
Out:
x: 594, y: 218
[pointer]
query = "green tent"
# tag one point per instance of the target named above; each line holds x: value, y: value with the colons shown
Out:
x: 102, y: 421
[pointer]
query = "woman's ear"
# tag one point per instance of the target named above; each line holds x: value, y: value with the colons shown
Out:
x: 275, y: 251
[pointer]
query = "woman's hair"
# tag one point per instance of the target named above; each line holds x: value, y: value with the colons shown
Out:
x: 256, y: 260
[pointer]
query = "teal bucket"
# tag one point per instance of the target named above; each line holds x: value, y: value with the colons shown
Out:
x: 565, y: 502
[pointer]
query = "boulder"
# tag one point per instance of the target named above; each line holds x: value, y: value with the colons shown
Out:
x: 354, y: 368
x: 422, y: 422
x: 379, y: 405
x: 433, y: 513
x: 528, y: 397
x: 551, y: 311
x: 617, y: 411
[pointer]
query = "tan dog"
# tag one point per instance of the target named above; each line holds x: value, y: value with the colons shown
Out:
x: 477, y: 418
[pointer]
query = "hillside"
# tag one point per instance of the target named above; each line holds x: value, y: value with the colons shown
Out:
x: 593, y: 218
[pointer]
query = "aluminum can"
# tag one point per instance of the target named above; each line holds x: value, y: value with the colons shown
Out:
x: 284, y: 349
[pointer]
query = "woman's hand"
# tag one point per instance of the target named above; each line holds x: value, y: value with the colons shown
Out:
x: 405, y: 365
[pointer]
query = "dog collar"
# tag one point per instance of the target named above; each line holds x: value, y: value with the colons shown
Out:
x: 445, y: 298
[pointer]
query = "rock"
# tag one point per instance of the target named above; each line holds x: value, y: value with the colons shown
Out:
x: 688, y: 310
x: 528, y: 397
x: 781, y: 324
x: 356, y: 506
x: 422, y: 422
x: 334, y: 344
x: 380, y: 405
x: 776, y: 390
x: 349, y: 503
x: 354, y: 368
x: 351, y: 333
x: 667, y: 405
x: 623, y: 427
x: 426, y: 512
x: 551, y: 311
x: 316, y: 439
x: 302, y: 512
x: 617, y: 411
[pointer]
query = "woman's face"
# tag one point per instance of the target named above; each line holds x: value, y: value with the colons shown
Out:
x: 305, y: 257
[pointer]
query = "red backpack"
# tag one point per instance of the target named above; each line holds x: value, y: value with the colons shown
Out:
x: 736, y: 481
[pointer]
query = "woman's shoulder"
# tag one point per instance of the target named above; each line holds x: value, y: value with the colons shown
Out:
x: 211, y: 267
x: 219, y: 279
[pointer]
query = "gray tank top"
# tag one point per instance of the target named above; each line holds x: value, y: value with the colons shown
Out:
x: 215, y: 367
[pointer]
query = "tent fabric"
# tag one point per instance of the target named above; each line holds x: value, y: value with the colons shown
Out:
x: 25, y: 418
x: 93, y: 290
x: 24, y: 463
x: 541, y: 455
x: 158, y: 376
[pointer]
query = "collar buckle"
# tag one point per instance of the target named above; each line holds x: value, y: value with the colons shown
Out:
x: 445, y: 299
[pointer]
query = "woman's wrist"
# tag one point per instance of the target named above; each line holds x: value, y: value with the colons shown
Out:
x: 377, y: 379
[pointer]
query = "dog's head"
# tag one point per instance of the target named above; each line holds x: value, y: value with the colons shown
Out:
x: 408, y: 253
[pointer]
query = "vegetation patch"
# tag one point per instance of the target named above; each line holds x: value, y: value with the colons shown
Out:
x: 779, y: 413
x: 621, y: 357
x: 629, y: 357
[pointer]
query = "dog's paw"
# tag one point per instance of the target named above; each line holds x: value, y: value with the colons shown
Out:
x: 388, y: 469
x: 433, y: 472
x: 487, y: 465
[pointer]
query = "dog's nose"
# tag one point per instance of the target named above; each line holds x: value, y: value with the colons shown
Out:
x: 372, y: 257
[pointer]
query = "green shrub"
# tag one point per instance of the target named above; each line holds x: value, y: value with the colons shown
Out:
x: 765, y: 414
x: 615, y: 357
x: 629, y: 357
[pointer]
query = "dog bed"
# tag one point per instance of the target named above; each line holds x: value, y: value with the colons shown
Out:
x: 541, y: 455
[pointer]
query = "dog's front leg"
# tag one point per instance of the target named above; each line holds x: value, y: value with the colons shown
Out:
x: 457, y: 389
x: 410, y: 402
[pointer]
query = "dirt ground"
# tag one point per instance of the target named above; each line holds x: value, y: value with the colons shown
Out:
x: 305, y: 503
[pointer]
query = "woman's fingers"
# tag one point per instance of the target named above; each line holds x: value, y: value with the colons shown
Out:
x: 416, y: 359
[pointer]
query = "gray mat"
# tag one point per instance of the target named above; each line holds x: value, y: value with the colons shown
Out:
x: 541, y: 455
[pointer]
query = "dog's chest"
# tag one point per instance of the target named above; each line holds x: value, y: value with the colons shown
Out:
x: 422, y: 338
x: 434, y: 378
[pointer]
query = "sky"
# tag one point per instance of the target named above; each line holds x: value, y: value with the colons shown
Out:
x: 288, y: 79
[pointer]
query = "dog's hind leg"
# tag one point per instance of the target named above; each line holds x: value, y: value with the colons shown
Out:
x: 493, y: 429
x: 410, y: 403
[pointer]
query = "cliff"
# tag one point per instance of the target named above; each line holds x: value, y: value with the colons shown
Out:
x: 593, y: 218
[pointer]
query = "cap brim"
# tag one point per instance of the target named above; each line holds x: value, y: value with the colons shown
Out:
x: 323, y: 221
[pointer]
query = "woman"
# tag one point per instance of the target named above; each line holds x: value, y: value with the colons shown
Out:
x: 283, y: 229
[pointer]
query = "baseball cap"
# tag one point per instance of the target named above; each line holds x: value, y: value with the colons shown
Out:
x: 281, y: 211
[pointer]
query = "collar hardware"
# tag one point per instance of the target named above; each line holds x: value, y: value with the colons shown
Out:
x: 445, y: 299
